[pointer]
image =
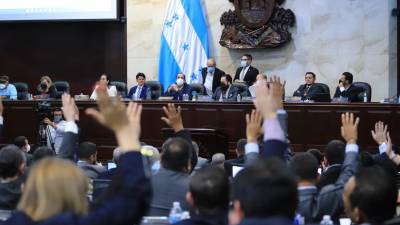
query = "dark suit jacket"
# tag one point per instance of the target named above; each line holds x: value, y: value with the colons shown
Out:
x: 144, y: 94
x: 351, y: 93
x: 127, y: 207
x: 330, y: 176
x: 267, y: 221
x: 232, y: 95
x: 168, y: 186
x: 218, y: 219
x: 312, y: 91
x: 216, y: 79
x: 52, y: 92
x: 250, y: 76
x: 328, y: 201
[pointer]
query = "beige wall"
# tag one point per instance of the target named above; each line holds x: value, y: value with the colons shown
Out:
x: 329, y: 37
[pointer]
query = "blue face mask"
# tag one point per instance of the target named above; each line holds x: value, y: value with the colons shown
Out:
x: 57, y: 119
x: 210, y: 69
x: 243, y: 63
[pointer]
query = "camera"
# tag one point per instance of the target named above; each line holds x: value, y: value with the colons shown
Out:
x: 44, y: 110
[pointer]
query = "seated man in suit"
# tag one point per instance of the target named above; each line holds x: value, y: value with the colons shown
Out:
x: 209, y: 196
x: 333, y: 159
x: 211, y: 76
x: 141, y: 90
x: 226, y: 92
x: 346, y: 88
x: 7, y: 90
x: 87, y: 155
x: 179, y: 88
x: 239, y: 156
x: 246, y: 73
x: 308, y: 90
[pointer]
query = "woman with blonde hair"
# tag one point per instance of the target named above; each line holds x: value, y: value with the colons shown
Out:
x: 55, y: 192
x: 46, y: 88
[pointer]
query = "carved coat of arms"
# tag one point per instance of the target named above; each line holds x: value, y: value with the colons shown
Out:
x: 256, y: 24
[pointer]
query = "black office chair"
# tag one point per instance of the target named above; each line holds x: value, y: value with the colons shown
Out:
x: 62, y: 87
x: 121, y: 88
x: 366, y: 88
x: 22, y: 90
x: 325, y: 96
x: 199, y: 88
x: 156, y: 88
x: 243, y: 89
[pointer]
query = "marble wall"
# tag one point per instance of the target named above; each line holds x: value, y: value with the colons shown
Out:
x: 329, y: 37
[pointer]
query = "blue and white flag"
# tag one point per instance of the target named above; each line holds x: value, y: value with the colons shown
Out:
x: 184, y: 42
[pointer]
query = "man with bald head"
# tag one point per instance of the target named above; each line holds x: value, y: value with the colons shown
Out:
x: 211, y: 76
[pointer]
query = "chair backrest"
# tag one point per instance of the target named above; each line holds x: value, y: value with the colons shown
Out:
x: 121, y: 87
x: 22, y: 90
x: 366, y: 88
x: 325, y: 96
x: 199, y: 88
x: 243, y: 89
x: 62, y: 87
x: 156, y: 89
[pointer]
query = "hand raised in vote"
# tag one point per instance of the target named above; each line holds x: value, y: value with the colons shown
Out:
x: 173, y: 87
x: 123, y: 121
x: 253, y: 126
x: 379, y: 134
x: 173, y: 117
x: 68, y: 107
x: 349, y: 129
x: 269, y: 97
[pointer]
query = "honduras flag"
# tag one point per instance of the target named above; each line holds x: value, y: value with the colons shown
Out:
x: 184, y: 42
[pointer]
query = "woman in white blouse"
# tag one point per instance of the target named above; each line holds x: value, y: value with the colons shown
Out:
x: 112, y: 90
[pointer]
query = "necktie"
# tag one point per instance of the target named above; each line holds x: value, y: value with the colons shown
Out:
x: 139, y: 90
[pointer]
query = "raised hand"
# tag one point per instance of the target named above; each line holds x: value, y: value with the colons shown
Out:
x: 269, y: 98
x: 380, y: 133
x: 389, y: 150
x: 173, y: 117
x: 253, y: 126
x: 68, y: 108
x: 349, y: 129
x: 113, y: 114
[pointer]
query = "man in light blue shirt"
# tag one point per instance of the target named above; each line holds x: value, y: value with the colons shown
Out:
x: 7, y: 90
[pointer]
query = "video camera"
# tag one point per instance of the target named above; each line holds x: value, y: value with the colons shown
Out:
x: 44, y: 110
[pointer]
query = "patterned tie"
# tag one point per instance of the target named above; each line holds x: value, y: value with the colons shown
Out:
x: 139, y: 90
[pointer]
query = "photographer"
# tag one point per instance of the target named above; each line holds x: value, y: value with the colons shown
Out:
x: 55, y: 130
x: 45, y: 89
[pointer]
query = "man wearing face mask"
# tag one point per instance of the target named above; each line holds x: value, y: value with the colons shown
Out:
x: 179, y: 88
x: 55, y: 130
x: 211, y: 76
x: 226, y: 92
x: 22, y: 143
x: 346, y: 88
x: 7, y: 90
x: 246, y: 73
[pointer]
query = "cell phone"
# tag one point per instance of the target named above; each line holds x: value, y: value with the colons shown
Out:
x: 111, y: 165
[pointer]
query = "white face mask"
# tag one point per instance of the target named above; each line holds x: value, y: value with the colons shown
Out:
x: 28, y: 148
x: 342, y: 89
x: 2, y: 86
x: 180, y: 82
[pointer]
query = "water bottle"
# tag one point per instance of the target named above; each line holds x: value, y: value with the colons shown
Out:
x: 185, y: 97
x: 365, y: 97
x: 326, y: 220
x: 194, y: 96
x: 239, y: 98
x: 175, y: 215
x: 298, y: 220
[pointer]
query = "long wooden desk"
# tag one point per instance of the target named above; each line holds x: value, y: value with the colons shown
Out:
x: 311, y: 125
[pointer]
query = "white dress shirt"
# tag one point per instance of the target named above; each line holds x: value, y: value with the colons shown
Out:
x: 111, y: 90
x: 243, y: 73
x: 208, y: 83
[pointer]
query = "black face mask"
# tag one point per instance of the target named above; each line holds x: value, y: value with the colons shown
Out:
x: 224, y: 87
x: 43, y: 86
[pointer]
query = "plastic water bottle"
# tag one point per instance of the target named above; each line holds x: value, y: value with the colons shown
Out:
x: 185, y: 97
x: 299, y: 220
x: 239, y: 98
x: 175, y: 215
x: 194, y: 96
x: 326, y: 220
x: 365, y: 97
